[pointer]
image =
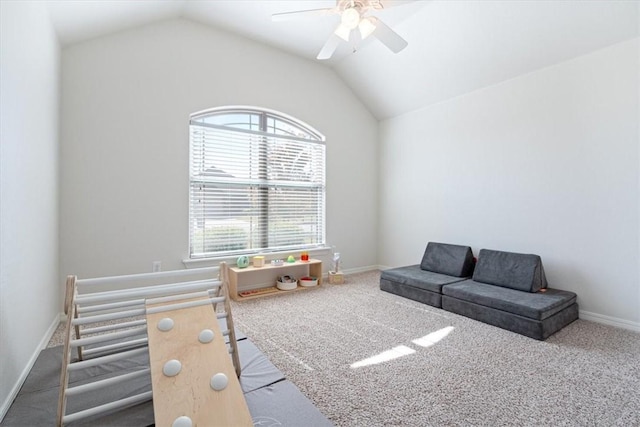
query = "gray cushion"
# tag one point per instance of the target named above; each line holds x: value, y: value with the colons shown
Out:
x: 443, y: 258
x: 510, y: 270
x: 416, y: 294
x: 282, y: 404
x: 414, y: 276
x: 537, y: 329
x: 536, y: 306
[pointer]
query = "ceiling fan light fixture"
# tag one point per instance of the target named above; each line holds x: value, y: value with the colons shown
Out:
x: 350, y: 18
x: 367, y: 26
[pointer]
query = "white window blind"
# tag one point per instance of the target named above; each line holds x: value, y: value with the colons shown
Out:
x: 254, y: 190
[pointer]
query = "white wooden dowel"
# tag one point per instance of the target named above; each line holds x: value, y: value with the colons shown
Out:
x: 179, y: 297
x: 110, y: 306
x: 212, y: 271
x: 146, y: 292
x: 106, y: 359
x: 114, y: 326
x: 107, y: 382
x: 182, y: 305
x: 118, y: 404
x: 104, y: 317
x: 88, y: 352
x: 96, y: 339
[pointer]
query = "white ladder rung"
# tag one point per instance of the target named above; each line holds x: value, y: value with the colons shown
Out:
x: 146, y: 292
x: 110, y: 306
x: 84, y: 388
x: 112, y: 327
x: 106, y: 317
x: 88, y: 352
x: 118, y: 404
x: 179, y: 297
x: 96, y: 339
x: 106, y: 359
x: 142, y: 276
x: 181, y: 305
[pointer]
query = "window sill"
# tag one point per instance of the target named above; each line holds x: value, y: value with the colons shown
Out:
x: 215, y: 261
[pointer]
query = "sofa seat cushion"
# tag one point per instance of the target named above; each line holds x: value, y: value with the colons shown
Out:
x: 444, y: 258
x: 421, y: 295
x: 537, y: 306
x: 414, y: 276
x: 523, y: 272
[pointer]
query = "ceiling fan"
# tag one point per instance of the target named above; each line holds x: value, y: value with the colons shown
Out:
x: 354, y: 24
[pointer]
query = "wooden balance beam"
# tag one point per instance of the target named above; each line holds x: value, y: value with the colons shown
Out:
x: 192, y: 394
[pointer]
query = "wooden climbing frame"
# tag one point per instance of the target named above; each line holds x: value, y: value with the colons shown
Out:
x: 115, y: 318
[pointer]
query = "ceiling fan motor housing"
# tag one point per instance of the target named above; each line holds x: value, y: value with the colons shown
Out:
x: 360, y: 5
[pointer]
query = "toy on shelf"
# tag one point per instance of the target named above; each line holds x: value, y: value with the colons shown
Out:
x: 336, y: 262
x: 336, y: 277
x: 308, y: 281
x: 287, y: 283
x: 242, y: 261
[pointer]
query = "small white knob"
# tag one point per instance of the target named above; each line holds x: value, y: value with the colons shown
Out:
x: 206, y: 336
x: 219, y: 382
x: 172, y: 368
x: 182, y: 421
x: 165, y: 324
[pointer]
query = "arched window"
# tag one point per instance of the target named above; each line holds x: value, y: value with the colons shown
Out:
x: 257, y: 183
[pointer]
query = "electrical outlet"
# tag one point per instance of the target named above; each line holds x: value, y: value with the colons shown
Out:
x: 156, y: 266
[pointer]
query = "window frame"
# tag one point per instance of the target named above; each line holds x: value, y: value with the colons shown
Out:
x: 266, y: 116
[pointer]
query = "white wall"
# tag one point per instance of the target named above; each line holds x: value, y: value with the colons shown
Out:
x: 29, y: 102
x: 124, y: 164
x: 545, y: 163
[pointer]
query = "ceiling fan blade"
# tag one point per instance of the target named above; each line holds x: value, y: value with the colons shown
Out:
x: 343, y: 32
x: 388, y: 37
x: 301, y: 14
x: 329, y: 47
x: 386, y: 4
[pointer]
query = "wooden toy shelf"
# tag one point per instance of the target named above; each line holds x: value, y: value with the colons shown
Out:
x: 240, y: 278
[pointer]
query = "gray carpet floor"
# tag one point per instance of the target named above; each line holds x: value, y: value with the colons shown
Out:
x: 441, y: 369
x: 462, y: 373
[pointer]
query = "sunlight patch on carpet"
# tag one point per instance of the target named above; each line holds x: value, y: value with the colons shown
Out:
x: 385, y: 356
x: 432, y: 338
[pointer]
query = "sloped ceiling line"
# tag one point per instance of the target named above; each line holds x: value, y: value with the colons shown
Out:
x: 455, y: 47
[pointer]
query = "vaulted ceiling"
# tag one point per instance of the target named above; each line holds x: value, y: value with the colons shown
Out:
x: 455, y: 47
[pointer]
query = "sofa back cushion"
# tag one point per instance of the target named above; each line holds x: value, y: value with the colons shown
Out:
x: 443, y: 258
x: 523, y: 272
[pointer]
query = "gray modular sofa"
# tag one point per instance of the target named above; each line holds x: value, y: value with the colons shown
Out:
x: 442, y: 264
x: 507, y: 289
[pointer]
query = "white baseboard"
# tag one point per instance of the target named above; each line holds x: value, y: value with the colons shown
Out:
x: 611, y: 321
x: 361, y: 269
x: 25, y: 372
